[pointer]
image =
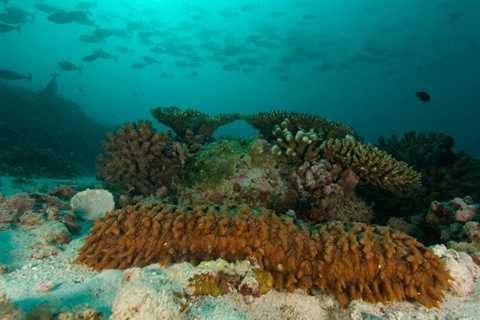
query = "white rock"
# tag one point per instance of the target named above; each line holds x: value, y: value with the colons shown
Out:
x: 92, y: 204
x: 462, y: 269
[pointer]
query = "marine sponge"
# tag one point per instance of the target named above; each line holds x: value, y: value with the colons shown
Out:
x: 351, y: 261
x: 265, y: 122
x: 296, y: 145
x: 374, y: 166
x: 139, y: 161
x: 192, y: 126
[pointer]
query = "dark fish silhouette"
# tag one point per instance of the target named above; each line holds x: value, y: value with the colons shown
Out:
x: 46, y: 8
x: 66, y: 17
x: 139, y: 65
x: 423, y: 96
x: 4, y: 28
x: 80, y: 88
x: 90, y: 38
x: 68, y: 66
x: 99, y: 54
x: 122, y: 49
x: 12, y: 75
x: 51, y: 88
x: 149, y: 60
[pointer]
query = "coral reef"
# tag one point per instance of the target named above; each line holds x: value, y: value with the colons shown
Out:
x: 351, y: 261
x: 371, y: 165
x: 137, y: 160
x: 230, y: 172
x: 265, y: 122
x: 192, y: 126
x: 445, y: 173
x: 92, y: 204
x: 45, y: 135
x: 326, y: 192
x: 296, y: 145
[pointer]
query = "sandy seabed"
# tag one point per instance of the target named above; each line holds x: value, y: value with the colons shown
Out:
x: 29, y: 279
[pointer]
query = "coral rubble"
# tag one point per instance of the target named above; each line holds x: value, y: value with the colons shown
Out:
x: 372, y: 165
x: 138, y: 160
x: 265, y: 122
x: 351, y: 261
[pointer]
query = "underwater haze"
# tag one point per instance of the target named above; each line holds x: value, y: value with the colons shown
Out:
x: 356, y: 62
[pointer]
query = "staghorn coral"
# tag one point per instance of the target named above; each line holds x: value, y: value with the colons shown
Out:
x: 351, y: 261
x: 139, y: 161
x: 191, y: 126
x: 296, y: 146
x: 372, y: 165
x: 265, y: 122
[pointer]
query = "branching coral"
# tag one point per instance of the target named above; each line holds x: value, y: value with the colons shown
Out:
x: 137, y: 160
x: 191, y: 126
x: 265, y: 122
x: 371, y: 164
x: 351, y: 262
x: 445, y: 174
x: 297, y: 146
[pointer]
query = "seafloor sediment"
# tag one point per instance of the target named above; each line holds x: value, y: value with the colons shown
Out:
x: 39, y: 277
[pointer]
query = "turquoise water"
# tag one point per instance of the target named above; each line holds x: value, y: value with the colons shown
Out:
x: 358, y: 62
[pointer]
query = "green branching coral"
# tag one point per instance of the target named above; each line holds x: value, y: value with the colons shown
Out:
x: 372, y: 165
x: 265, y: 122
x: 192, y: 126
x: 296, y: 146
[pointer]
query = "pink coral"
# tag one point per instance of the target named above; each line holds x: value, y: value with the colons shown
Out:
x: 458, y: 209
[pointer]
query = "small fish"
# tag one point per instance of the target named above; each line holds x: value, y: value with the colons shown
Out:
x: 66, y: 17
x: 192, y: 75
x: 150, y: 60
x: 139, y: 65
x: 423, y: 96
x: 46, y: 8
x: 68, y: 66
x: 12, y: 75
x: 90, y: 38
x: 4, y: 28
x: 122, y: 49
x: 80, y: 88
x: 135, y: 93
x: 99, y: 54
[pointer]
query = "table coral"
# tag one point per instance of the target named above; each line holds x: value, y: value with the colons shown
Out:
x: 138, y: 160
x: 192, y: 126
x: 351, y: 261
x: 371, y: 164
x: 265, y: 122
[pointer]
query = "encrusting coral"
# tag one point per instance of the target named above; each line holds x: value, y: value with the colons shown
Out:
x: 296, y: 145
x: 265, y: 122
x: 371, y: 165
x: 351, y: 261
x: 192, y: 126
x: 138, y: 160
